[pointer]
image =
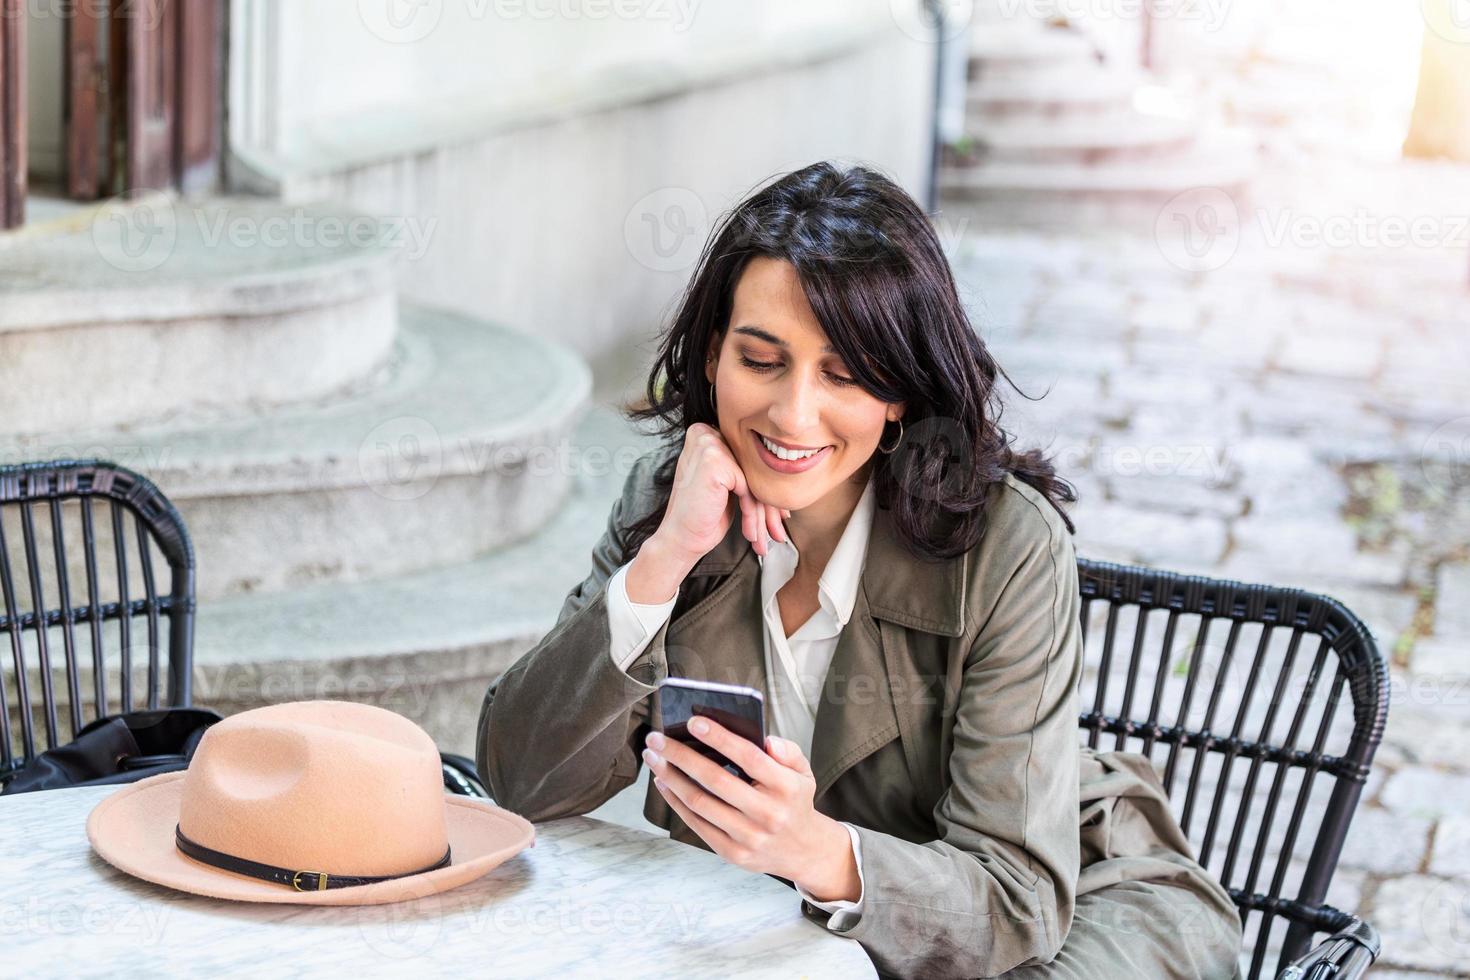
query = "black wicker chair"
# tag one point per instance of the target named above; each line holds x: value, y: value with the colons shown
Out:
x: 98, y: 629
x: 1212, y: 709
x: 105, y: 620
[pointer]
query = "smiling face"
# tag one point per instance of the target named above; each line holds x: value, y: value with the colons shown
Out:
x: 775, y: 376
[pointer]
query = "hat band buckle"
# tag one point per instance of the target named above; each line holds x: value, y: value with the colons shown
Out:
x: 321, y: 880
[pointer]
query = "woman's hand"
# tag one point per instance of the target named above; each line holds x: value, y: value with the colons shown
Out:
x: 699, y: 514
x: 770, y: 826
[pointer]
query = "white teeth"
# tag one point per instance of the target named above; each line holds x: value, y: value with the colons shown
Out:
x: 786, y: 454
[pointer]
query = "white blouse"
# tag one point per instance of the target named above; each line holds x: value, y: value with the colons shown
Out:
x: 796, y: 667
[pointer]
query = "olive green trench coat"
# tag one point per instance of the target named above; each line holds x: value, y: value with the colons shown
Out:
x: 947, y: 733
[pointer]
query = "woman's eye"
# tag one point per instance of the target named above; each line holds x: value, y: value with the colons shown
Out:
x: 764, y: 366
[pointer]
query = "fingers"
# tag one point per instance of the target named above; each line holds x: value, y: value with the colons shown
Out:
x: 759, y: 522
x: 750, y: 508
x: 787, y: 753
x: 773, y: 523
x: 741, y: 751
x: 716, y: 838
x: 750, y: 521
x: 706, y: 804
x: 732, y: 800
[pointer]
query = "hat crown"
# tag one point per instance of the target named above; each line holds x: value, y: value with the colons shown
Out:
x: 333, y: 786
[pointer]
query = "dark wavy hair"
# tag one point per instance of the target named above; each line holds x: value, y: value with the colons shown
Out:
x: 877, y: 279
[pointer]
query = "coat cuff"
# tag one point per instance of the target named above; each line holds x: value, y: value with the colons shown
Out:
x: 844, y: 914
x: 631, y: 624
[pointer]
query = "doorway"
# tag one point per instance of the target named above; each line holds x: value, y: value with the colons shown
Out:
x: 103, y: 97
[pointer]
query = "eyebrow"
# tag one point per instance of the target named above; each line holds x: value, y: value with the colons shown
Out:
x: 769, y: 338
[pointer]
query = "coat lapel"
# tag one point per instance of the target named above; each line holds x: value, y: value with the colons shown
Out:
x: 865, y: 701
x: 862, y: 703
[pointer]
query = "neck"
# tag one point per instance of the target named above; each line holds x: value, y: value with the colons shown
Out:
x: 816, y: 528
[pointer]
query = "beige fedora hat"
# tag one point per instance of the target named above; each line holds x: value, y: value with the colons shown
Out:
x: 308, y: 803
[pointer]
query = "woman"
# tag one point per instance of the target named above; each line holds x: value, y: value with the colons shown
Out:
x: 902, y: 587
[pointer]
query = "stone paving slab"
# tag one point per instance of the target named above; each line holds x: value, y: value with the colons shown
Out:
x: 1327, y: 394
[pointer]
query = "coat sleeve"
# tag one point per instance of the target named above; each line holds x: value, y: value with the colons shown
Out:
x: 997, y: 889
x: 561, y: 731
x: 632, y: 623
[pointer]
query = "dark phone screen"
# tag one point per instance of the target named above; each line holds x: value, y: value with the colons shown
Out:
x: 740, y: 713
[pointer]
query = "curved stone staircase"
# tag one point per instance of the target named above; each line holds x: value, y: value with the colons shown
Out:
x: 1059, y: 137
x: 388, y: 503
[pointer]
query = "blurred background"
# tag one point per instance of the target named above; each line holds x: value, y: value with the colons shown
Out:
x: 360, y: 284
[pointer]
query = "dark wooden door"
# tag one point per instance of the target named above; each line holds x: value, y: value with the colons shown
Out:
x: 145, y: 106
x: 12, y: 113
x: 88, y: 141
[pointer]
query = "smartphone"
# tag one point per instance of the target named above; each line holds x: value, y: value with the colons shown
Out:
x: 740, y: 709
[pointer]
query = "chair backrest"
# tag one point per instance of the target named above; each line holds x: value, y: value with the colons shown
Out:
x: 1232, y: 690
x: 78, y: 584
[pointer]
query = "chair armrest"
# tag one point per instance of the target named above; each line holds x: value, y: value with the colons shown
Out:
x: 460, y: 777
x: 1344, y: 955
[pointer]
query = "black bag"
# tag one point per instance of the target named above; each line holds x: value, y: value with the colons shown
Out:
x: 120, y: 748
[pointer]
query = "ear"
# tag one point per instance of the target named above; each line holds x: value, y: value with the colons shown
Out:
x: 714, y: 352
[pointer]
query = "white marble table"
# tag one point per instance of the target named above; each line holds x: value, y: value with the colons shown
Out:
x: 589, y: 898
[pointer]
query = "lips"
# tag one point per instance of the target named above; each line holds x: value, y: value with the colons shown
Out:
x: 795, y: 449
x: 787, y: 466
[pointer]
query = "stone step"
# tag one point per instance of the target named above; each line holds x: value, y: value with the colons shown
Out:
x: 1051, y: 97
x: 1220, y: 159
x: 136, y: 309
x: 1024, y: 50
x: 456, y: 448
x: 1123, y: 194
x: 426, y: 643
x: 1133, y: 136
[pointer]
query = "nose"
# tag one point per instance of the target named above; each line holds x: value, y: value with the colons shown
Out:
x: 796, y: 410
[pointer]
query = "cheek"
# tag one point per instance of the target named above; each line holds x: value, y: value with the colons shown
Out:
x: 867, y: 427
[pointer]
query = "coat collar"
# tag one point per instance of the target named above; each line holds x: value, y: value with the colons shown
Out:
x: 895, y: 590
x: 928, y: 596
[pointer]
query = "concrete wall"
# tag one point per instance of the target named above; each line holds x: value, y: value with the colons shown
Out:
x: 559, y: 175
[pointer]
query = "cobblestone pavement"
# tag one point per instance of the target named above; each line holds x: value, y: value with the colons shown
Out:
x: 1298, y: 414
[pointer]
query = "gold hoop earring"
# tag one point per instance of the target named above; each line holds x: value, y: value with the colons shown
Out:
x: 895, y: 442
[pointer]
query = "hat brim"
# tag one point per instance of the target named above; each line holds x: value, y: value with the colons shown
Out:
x: 133, y: 830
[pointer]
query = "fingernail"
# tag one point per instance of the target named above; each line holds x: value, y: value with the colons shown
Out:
x: 655, y: 740
x: 651, y: 757
x: 699, y: 726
